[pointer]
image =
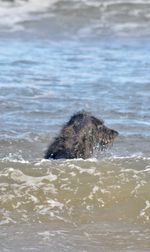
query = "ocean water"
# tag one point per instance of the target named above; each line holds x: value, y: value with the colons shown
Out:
x: 56, y: 58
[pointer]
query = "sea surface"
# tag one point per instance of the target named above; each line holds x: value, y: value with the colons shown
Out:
x: 58, y: 57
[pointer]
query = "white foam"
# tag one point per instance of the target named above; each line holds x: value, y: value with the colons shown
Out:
x: 15, y: 158
x: 11, y: 14
x: 143, y: 212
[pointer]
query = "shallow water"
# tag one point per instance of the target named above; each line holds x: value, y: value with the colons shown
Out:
x: 75, y: 205
x: 59, y: 57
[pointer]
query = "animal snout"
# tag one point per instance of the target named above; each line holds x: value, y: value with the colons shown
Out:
x: 115, y: 133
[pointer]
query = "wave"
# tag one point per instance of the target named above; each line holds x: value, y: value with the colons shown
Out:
x: 12, y: 13
x: 83, y: 18
x: 75, y: 191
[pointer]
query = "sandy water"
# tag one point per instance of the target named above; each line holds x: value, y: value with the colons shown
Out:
x: 57, y: 58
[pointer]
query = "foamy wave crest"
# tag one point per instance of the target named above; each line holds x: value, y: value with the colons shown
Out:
x: 13, y: 13
x: 76, y: 191
x: 83, y: 17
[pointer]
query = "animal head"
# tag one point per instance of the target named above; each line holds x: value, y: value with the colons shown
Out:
x: 93, y: 129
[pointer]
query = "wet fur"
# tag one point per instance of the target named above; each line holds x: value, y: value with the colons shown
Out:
x: 78, y: 138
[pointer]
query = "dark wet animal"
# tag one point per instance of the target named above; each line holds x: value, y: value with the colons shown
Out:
x: 81, y: 135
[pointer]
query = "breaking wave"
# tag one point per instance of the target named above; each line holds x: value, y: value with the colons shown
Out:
x: 81, y: 18
x: 77, y: 191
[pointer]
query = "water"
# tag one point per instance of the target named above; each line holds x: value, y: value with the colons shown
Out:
x: 56, y: 58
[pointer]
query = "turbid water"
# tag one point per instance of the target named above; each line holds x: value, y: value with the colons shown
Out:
x: 57, y: 58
